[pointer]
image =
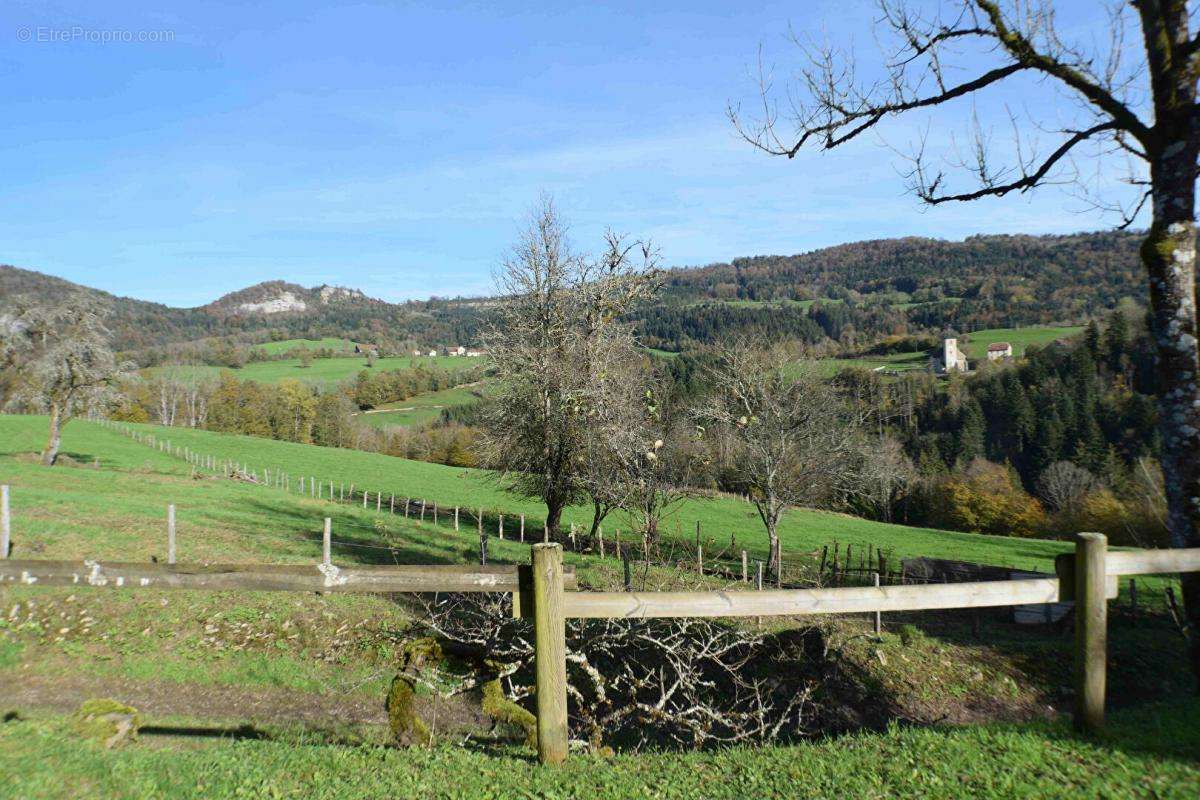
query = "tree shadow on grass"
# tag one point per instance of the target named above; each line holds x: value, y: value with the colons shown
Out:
x: 239, y: 732
x: 1147, y: 657
x: 354, y: 540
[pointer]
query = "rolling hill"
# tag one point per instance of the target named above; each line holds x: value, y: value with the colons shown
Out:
x: 922, y: 284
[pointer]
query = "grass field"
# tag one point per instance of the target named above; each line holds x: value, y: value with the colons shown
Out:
x: 1151, y: 753
x: 1019, y: 338
x: 899, y: 362
x: 803, y: 532
x: 975, y: 348
x: 334, y: 370
x: 278, y: 695
x: 327, y: 343
x: 423, y: 408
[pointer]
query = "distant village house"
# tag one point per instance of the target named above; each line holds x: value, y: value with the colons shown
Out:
x: 998, y: 351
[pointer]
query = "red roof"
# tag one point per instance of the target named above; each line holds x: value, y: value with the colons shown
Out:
x: 998, y: 347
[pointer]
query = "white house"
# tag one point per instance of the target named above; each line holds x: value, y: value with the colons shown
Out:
x: 998, y: 351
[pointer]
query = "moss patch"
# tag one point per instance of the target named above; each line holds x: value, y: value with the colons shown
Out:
x: 106, y: 721
x: 497, y: 706
x: 407, y: 726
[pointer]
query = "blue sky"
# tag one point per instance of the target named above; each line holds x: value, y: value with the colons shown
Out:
x: 397, y: 147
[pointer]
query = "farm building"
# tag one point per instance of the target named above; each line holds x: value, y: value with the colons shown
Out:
x: 998, y: 351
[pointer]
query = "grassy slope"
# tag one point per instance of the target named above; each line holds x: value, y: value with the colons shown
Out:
x: 333, y: 370
x: 118, y: 512
x: 422, y: 408
x: 976, y: 348
x: 1019, y: 338
x: 896, y: 361
x: 331, y: 342
x: 1150, y: 753
x: 337, y: 649
x: 803, y: 532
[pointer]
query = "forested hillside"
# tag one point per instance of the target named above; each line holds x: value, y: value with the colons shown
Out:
x: 848, y: 296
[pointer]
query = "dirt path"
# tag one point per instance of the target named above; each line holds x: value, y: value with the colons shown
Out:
x: 23, y: 692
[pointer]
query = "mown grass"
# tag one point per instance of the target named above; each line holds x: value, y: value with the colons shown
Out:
x: 1148, y: 753
x: 423, y: 408
x: 335, y: 343
x: 333, y: 370
x: 1019, y: 338
x: 342, y: 648
x: 899, y: 362
x: 724, y: 520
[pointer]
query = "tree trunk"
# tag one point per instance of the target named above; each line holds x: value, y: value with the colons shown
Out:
x: 775, y: 557
x: 554, y: 511
x: 1169, y: 255
x: 50, y: 454
x: 598, y: 515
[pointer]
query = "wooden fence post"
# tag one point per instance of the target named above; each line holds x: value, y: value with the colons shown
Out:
x: 1091, y: 630
x: 171, y: 533
x: 878, y: 616
x: 550, y: 653
x: 522, y: 527
x: 327, y: 542
x: 745, y: 567
x: 456, y: 518
x: 5, y: 523
x: 500, y: 525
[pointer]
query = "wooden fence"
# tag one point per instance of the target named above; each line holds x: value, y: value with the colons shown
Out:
x: 1088, y: 577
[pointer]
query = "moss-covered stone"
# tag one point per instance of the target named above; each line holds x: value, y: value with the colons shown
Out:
x: 107, y: 721
x: 497, y: 706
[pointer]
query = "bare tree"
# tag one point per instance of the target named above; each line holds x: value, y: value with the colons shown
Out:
x: 654, y: 452
x: 557, y: 340
x: 61, y: 357
x: 1136, y: 102
x: 794, y: 441
x: 1064, y: 485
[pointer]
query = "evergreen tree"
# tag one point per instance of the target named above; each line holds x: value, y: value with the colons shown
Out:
x: 1116, y: 339
x: 1091, y: 338
x: 970, y: 433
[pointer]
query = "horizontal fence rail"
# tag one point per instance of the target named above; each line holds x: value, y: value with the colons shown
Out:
x: 797, y: 602
x: 266, y: 577
x: 1152, y: 562
x: 1088, y: 577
